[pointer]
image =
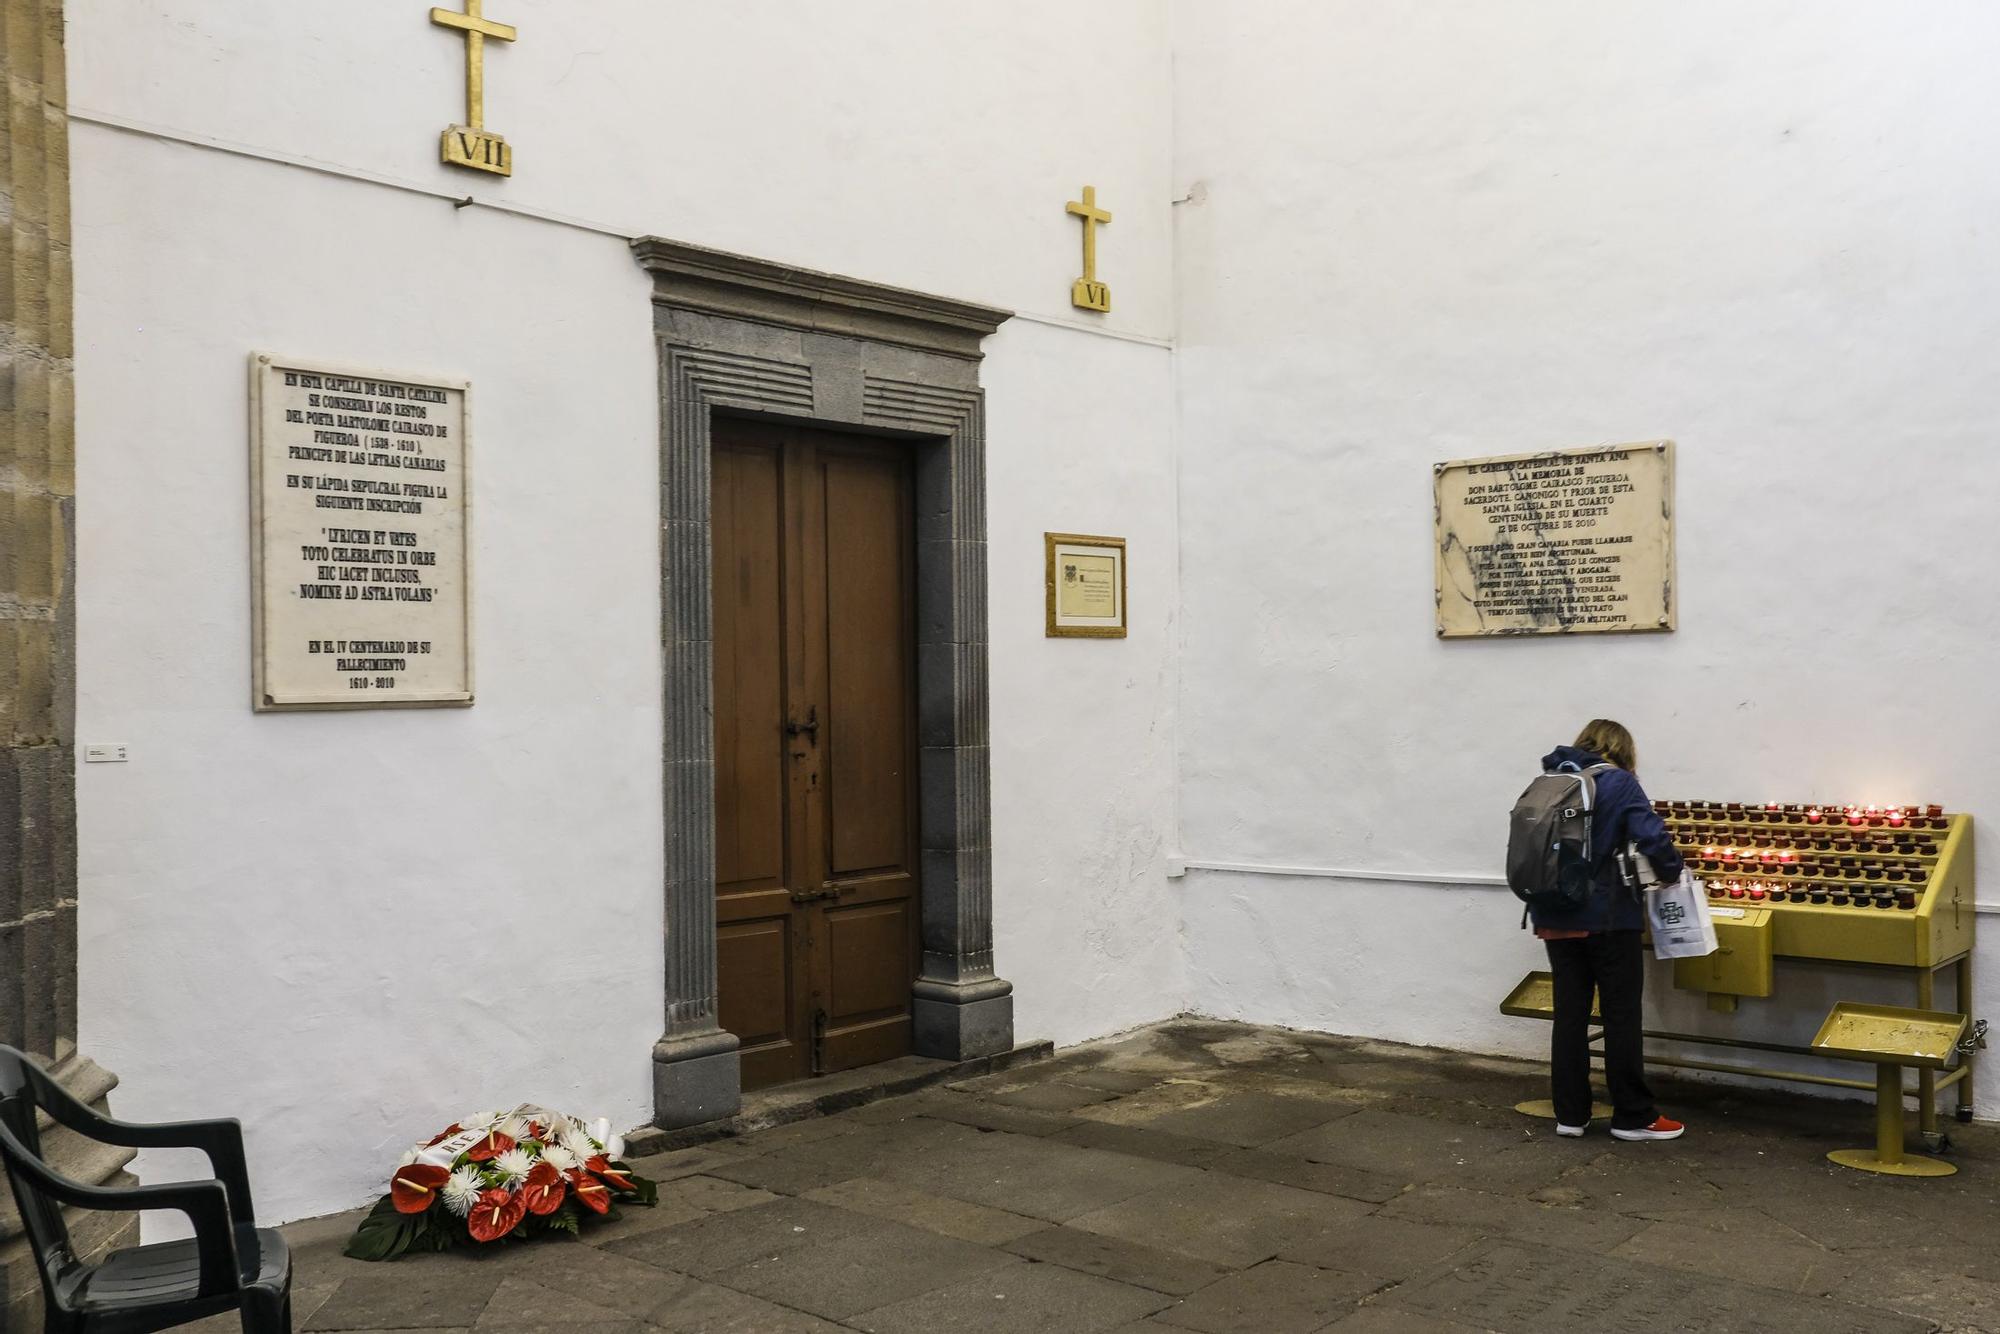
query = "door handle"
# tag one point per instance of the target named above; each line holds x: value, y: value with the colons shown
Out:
x: 815, y: 895
x: 810, y: 727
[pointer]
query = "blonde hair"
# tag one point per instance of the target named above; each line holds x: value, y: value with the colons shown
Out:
x: 1602, y: 737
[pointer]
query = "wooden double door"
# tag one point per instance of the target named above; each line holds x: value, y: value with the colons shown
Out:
x: 817, y: 895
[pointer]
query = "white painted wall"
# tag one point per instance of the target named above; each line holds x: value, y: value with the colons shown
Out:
x: 1413, y: 234
x: 1457, y: 229
x: 347, y: 929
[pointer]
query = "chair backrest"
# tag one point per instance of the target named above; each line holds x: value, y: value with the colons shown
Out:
x: 21, y: 1084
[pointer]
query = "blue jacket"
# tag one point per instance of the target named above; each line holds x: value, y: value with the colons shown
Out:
x: 1622, y: 814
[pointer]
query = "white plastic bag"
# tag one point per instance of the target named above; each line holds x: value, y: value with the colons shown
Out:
x: 1678, y: 916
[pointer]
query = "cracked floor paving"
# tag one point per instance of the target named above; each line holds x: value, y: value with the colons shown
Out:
x: 1222, y: 1177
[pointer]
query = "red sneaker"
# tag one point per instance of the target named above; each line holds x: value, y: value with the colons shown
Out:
x: 1662, y: 1128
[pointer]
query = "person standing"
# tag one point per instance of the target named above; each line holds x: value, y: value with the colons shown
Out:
x: 1594, y: 948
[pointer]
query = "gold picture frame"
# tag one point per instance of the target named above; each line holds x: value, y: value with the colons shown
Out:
x: 1084, y: 581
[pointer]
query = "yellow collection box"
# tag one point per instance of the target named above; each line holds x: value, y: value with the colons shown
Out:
x: 1741, y: 964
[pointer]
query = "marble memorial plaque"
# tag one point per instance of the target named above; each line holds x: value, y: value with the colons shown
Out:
x: 1573, y: 542
x: 360, y: 560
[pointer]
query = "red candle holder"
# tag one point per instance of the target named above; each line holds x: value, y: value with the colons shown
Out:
x: 1815, y: 816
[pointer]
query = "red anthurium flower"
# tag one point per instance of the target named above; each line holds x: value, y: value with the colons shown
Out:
x: 445, y: 1134
x: 601, y: 1165
x: 596, y: 1196
x: 495, y: 1215
x: 536, y: 1130
x: 492, y: 1146
x: 543, y: 1190
x: 414, y: 1188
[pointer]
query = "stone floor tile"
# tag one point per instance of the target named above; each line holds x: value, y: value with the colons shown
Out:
x: 665, y: 1167
x: 784, y: 1173
x: 1521, y: 1289
x: 1140, y: 1142
x: 684, y: 1305
x: 1387, y: 1248
x: 1373, y: 1318
x: 1273, y: 1298
x: 433, y: 1297
x: 1023, y: 1299
x: 1955, y: 1301
x: 717, y: 1242
x: 987, y: 1114
x: 1050, y: 1096
x: 1173, y: 1272
x: 682, y: 1200
x: 1767, y: 1262
x: 518, y: 1302
x: 1211, y: 1111
x: 565, y: 1326
x: 1510, y: 1216
x: 806, y: 1167
x: 1412, y: 1147
x: 1225, y: 1219
x: 934, y: 1213
x: 587, y: 1274
x: 1111, y: 1081
x: 839, y: 1276
x: 1025, y: 1175
x: 1356, y: 1183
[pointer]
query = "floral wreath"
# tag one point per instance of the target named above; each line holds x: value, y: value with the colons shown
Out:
x: 499, y: 1176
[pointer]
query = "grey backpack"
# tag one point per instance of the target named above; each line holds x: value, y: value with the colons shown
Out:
x: 1548, y: 840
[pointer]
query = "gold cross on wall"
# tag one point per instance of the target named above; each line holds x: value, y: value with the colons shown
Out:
x: 470, y: 144
x: 1086, y: 291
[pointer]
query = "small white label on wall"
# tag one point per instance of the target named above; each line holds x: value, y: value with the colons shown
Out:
x: 105, y: 754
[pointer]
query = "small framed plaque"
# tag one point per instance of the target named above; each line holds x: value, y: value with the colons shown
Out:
x: 360, y: 558
x: 1085, y: 579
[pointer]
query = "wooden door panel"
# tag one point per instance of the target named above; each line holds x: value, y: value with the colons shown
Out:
x: 747, y: 509
x: 868, y: 1000
x: 757, y: 968
x: 869, y: 953
x: 868, y: 750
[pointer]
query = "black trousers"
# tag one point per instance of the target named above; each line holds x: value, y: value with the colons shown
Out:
x: 1611, y: 964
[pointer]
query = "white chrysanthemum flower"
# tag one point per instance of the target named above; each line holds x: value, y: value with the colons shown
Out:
x: 477, y: 1120
x: 461, y: 1190
x: 513, y: 1165
x: 409, y: 1156
x: 560, y: 1158
x: 513, y: 1128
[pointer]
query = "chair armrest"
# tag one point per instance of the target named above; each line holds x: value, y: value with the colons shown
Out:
x: 206, y: 1204
x: 221, y: 1140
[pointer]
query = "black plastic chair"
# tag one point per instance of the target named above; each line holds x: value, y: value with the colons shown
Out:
x: 229, y: 1264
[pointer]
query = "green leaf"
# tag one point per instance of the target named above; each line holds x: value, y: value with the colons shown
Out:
x: 384, y: 1234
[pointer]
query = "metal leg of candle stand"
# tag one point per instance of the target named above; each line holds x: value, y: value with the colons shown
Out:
x: 1963, y: 1000
x: 1887, y: 1156
x: 1927, y: 1125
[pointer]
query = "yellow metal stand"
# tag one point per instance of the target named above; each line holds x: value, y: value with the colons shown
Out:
x: 1892, y: 1037
x: 1887, y: 1155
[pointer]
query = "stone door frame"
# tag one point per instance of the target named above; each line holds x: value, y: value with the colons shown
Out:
x: 744, y: 336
